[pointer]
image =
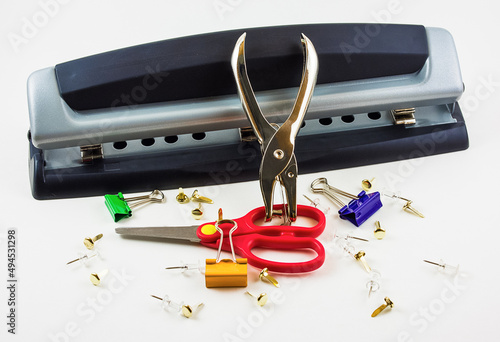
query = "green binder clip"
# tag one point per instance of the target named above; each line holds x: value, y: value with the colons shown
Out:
x: 121, y: 207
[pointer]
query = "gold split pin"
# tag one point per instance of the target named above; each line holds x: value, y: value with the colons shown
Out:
x: 96, y: 278
x: 379, y: 232
x: 261, y: 299
x: 264, y: 274
x: 89, y: 242
x: 388, y: 303
x: 360, y: 256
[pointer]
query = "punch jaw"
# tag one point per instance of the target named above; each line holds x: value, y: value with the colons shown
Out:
x: 277, y: 143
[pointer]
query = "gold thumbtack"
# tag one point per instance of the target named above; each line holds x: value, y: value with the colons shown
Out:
x: 360, y: 257
x: 408, y: 208
x: 366, y: 184
x: 379, y: 232
x: 195, y: 197
x: 197, y: 213
x: 264, y: 274
x: 182, y: 197
x: 89, y: 242
x: 388, y: 303
x: 96, y: 278
x: 261, y: 299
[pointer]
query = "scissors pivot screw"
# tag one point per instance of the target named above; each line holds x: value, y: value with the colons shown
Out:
x: 261, y: 299
x: 89, y: 242
x: 388, y: 303
x: 96, y: 278
x: 264, y: 274
x: 182, y: 198
x: 379, y: 232
x: 360, y: 256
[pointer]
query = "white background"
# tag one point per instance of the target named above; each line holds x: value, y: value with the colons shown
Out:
x: 457, y: 192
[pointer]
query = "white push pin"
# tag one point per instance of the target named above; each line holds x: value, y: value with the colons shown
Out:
x: 188, y: 267
x: 373, y: 284
x: 449, y: 269
x: 84, y: 258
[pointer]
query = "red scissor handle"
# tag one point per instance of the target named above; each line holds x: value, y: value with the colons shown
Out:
x: 248, y: 236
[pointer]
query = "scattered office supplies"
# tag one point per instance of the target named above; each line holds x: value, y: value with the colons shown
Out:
x: 316, y: 203
x: 195, y: 197
x: 264, y: 274
x: 379, y: 232
x: 120, y: 207
x: 360, y: 256
x: 89, y: 242
x: 182, y: 198
x: 408, y: 205
x: 358, y: 210
x: 197, y: 213
x: 185, y: 310
x: 96, y: 278
x: 84, y: 258
x: 261, y: 299
x: 388, y: 303
x: 448, y: 269
x: 373, y: 285
x: 250, y: 236
x: 366, y: 184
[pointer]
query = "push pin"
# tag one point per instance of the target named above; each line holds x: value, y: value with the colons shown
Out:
x: 187, y: 267
x: 366, y: 184
x: 182, y: 198
x: 84, y: 258
x: 89, y: 242
x: 195, y: 197
x: 373, y: 284
x: 450, y: 269
x: 360, y: 256
x: 264, y: 274
x: 184, y: 310
x: 197, y: 213
x: 316, y: 203
x: 379, y: 232
x: 388, y: 303
x: 261, y: 299
x: 96, y: 278
x: 344, y: 246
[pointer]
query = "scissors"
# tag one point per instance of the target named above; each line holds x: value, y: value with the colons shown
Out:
x: 277, y: 143
x: 247, y: 235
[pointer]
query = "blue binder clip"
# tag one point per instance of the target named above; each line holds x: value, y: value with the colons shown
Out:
x: 358, y: 210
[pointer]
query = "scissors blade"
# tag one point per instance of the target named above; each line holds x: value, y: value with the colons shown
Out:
x: 186, y: 233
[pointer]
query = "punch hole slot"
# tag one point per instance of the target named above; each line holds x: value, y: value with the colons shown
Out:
x: 347, y: 118
x: 326, y: 121
x: 119, y: 145
x: 374, y: 115
x: 148, y: 142
x: 171, y: 139
x: 199, y: 136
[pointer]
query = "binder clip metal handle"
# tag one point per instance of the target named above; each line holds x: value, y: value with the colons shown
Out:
x: 121, y: 207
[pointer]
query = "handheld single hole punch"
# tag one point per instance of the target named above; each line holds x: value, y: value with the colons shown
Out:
x: 277, y: 143
x: 167, y: 113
